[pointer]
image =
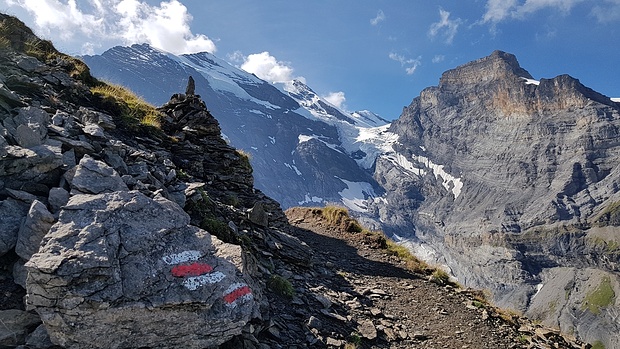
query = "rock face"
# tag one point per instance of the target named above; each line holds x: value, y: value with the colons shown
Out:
x: 120, y: 268
x: 509, y: 179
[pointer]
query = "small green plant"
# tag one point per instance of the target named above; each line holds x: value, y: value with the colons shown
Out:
x: 523, y: 339
x: 232, y: 200
x: 598, y: 345
x: 600, y: 298
x: 214, y: 226
x: 477, y: 304
x: 355, y: 339
x: 281, y: 286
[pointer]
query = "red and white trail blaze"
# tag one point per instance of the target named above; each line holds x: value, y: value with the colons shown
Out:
x: 196, y: 274
x: 237, y: 293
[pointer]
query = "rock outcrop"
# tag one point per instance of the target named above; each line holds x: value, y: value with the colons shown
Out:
x: 119, y: 269
x: 513, y: 176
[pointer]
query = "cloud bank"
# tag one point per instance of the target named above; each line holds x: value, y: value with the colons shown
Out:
x: 93, y: 22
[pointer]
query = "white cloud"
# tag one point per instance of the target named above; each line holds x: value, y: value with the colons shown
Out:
x: 438, y: 58
x: 267, y: 67
x: 378, y: 19
x: 607, y: 12
x: 446, y: 27
x: 93, y: 22
x: 409, y: 64
x: 337, y: 99
x: 499, y: 10
x: 236, y: 57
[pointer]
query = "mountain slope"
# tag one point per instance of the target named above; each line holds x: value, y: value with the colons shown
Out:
x: 298, y: 157
x: 523, y: 176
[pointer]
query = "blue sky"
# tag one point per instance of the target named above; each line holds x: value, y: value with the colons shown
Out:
x: 376, y: 55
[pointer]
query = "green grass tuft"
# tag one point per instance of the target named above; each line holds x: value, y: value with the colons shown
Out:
x: 132, y: 110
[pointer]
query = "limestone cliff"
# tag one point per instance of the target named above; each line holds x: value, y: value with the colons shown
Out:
x: 517, y: 177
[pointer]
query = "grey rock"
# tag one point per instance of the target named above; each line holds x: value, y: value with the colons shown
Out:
x: 39, y: 339
x: 258, y: 216
x: 289, y: 247
x: 68, y: 158
x: 313, y: 322
x: 92, y: 117
x: 25, y: 165
x: 326, y: 302
x: 116, y: 161
x: 123, y: 264
x: 30, y: 64
x: 3, y: 145
x: 15, y: 325
x: 94, y: 177
x: 20, y: 273
x: 59, y: 118
x: 57, y: 198
x: 36, y: 224
x: 12, y: 214
x: 94, y: 130
x: 27, y: 137
x: 8, y: 99
x: 367, y: 329
x: 33, y: 118
x: 139, y: 171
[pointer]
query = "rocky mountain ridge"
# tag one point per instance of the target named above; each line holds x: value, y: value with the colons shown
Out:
x: 121, y: 234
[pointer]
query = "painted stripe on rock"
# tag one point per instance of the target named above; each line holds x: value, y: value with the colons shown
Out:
x: 194, y: 269
x: 192, y: 283
x: 237, y: 292
x: 182, y: 257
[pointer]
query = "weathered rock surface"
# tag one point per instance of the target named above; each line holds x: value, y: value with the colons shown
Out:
x: 36, y: 224
x: 507, y: 178
x: 119, y: 269
x: 15, y: 326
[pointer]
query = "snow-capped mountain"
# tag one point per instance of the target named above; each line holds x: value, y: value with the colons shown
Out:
x: 300, y: 144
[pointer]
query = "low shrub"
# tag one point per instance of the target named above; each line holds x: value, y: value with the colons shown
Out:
x: 281, y: 286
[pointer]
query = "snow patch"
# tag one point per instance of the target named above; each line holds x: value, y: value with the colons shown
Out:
x: 448, y: 180
x: 293, y: 167
x: 304, y: 138
x: 617, y: 100
x: 308, y: 199
x: 272, y: 139
x: 355, y: 195
x: 401, y: 161
x: 531, y: 81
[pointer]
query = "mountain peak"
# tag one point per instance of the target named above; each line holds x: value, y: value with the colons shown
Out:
x: 498, y: 65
